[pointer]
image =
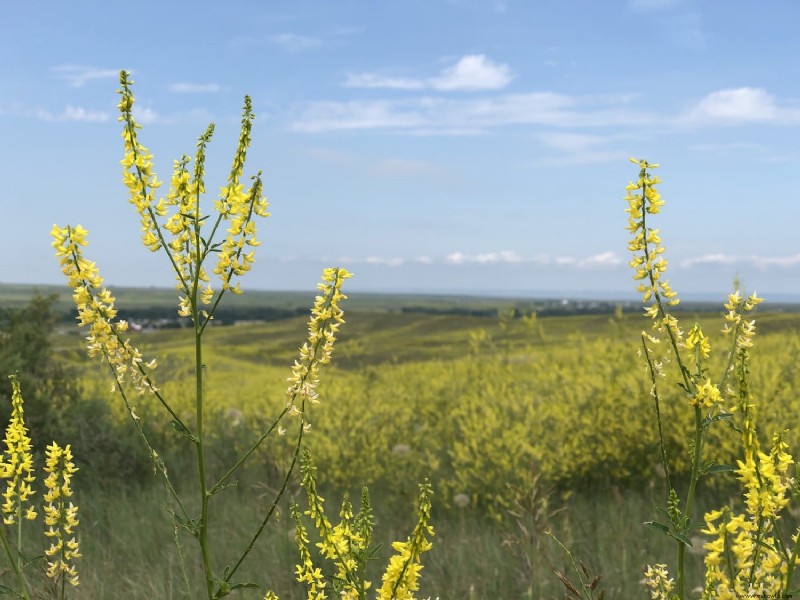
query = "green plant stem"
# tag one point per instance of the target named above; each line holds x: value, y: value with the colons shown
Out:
x: 202, y: 534
x: 274, y: 506
x: 791, y: 564
x: 19, y: 534
x: 698, y: 450
x: 218, y: 486
x: 656, y: 400
x: 23, y: 586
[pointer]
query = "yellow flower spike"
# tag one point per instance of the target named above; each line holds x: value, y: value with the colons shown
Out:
x: 96, y: 309
x: 326, y: 317
x: 16, y: 462
x: 60, y: 517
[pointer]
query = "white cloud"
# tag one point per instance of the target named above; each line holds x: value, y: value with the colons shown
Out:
x: 293, y: 42
x: 445, y: 115
x: 145, y: 115
x: 604, y: 259
x: 761, y: 262
x: 571, y: 142
x: 70, y: 113
x: 194, y: 88
x: 385, y: 262
x: 740, y: 105
x: 471, y: 73
x: 503, y: 256
x: 78, y: 76
x: 372, y: 80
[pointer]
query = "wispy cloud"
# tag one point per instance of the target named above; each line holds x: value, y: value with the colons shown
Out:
x: 578, y: 149
x: 69, y: 114
x: 195, y: 88
x: 473, y: 72
x: 761, y: 262
x: 78, y: 76
x: 373, y: 80
x: 474, y: 115
x: 604, y: 259
x: 385, y: 262
x: 503, y: 256
x: 293, y: 42
x: 443, y: 115
x: 739, y: 106
x: 470, y: 73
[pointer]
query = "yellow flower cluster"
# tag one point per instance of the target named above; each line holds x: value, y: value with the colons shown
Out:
x: 187, y: 248
x: 697, y: 340
x: 138, y: 173
x: 60, y: 517
x: 746, y: 556
x: 707, y: 395
x: 658, y: 580
x: 96, y: 310
x: 743, y: 330
x: 345, y: 544
x: 643, y: 198
x: 306, y: 571
x: 16, y: 462
x: 326, y: 319
x: 401, y: 578
x: 239, y: 206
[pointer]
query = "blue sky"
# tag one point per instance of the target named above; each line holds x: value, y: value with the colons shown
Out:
x: 426, y: 145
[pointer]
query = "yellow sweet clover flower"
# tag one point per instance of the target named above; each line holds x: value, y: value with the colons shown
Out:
x: 138, y: 173
x: 648, y: 263
x: 60, y: 517
x: 239, y: 206
x: 401, y: 578
x: 326, y: 319
x: 16, y: 463
x: 707, y: 395
x: 345, y: 544
x: 306, y: 572
x: 743, y: 330
x: 696, y: 339
x: 96, y: 310
x: 658, y: 580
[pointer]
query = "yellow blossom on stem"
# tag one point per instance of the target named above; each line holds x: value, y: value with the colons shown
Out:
x: 96, y: 311
x: 16, y: 463
x: 326, y: 319
x: 658, y: 580
x: 138, y: 173
x: 401, y: 578
x: 648, y: 263
x: 60, y: 516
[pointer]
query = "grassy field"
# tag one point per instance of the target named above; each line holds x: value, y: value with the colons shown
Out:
x: 544, y: 425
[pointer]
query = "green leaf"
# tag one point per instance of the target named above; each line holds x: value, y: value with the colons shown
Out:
x: 181, y: 428
x: 657, y: 526
x: 660, y: 527
x: 719, y: 469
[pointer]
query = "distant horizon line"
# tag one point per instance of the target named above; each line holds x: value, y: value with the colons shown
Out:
x: 521, y: 294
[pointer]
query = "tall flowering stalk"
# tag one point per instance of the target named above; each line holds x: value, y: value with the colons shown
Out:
x: 60, y: 516
x: 177, y: 226
x: 747, y: 555
x: 348, y: 546
x: 16, y: 467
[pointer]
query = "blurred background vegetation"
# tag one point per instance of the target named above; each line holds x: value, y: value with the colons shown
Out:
x: 524, y: 423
